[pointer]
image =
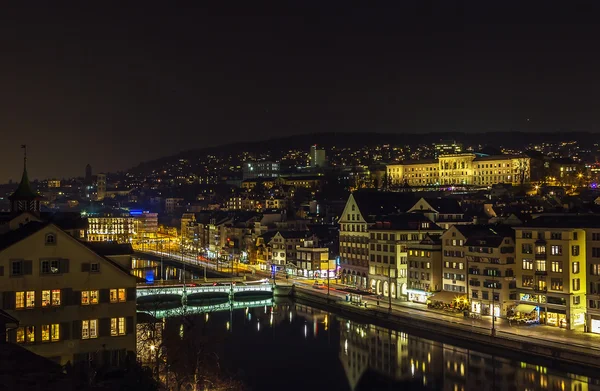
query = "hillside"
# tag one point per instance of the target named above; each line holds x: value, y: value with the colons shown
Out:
x: 276, y: 146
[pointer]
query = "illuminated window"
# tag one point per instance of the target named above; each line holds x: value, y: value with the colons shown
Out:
x: 89, y: 297
x: 20, y: 334
x: 117, y: 326
x: 30, y: 334
x: 117, y: 295
x: 30, y: 299
x: 55, y: 296
x: 19, y: 300
x: 45, y: 332
x: 45, y: 298
x: 89, y: 329
x: 55, y: 332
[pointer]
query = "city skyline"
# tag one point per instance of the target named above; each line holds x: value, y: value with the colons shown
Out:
x: 83, y: 84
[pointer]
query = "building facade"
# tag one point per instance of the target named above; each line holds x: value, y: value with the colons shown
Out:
x: 424, y: 261
x: 461, y: 169
x: 72, y: 304
x: 551, y: 275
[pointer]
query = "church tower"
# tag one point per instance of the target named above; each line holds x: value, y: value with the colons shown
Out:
x: 24, y: 199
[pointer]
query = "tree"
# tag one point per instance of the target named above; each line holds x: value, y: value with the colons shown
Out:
x: 521, y: 169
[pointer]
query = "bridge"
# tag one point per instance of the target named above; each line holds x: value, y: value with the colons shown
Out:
x: 229, y: 290
x: 193, y: 310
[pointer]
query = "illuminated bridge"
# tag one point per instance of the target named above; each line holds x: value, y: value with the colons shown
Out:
x: 201, y: 309
x: 208, y: 290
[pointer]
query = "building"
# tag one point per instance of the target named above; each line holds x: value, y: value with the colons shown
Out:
x: 317, y: 157
x: 552, y: 256
x: 260, y: 169
x: 424, y: 262
x: 171, y: 204
x: 461, y: 169
x: 112, y: 226
x: 275, y: 203
x: 313, y: 261
x: 53, y: 183
x: 72, y: 304
x: 284, y: 246
x: 88, y: 174
x: 100, y: 187
x: 361, y: 212
x: 445, y: 212
x: 389, y: 239
x: 447, y: 147
x: 491, y: 266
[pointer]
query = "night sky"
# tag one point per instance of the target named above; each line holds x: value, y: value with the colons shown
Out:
x: 116, y: 86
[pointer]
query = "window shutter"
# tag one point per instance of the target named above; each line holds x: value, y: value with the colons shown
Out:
x: 65, y: 331
x: 131, y: 294
x: 8, y: 300
x: 66, y: 296
x: 64, y: 265
x: 104, y: 327
x: 85, y: 267
x: 76, y: 331
x: 104, y: 296
x: 76, y: 298
x: 129, y: 325
x: 11, y: 335
x: 27, y: 267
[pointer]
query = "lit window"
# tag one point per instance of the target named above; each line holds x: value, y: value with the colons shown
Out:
x: 45, y: 332
x: 89, y: 329
x: 20, y: 334
x: 19, y: 300
x: 30, y: 334
x: 55, y: 332
x: 55, y: 296
x: 30, y: 301
x: 117, y: 326
x: 45, y: 298
x: 89, y: 297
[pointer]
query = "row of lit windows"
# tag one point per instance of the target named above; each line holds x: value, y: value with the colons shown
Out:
x: 26, y: 299
x: 50, y: 333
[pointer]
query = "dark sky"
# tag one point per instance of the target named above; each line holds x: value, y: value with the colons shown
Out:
x: 115, y: 86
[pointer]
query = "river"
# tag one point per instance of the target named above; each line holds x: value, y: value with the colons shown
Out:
x: 291, y: 346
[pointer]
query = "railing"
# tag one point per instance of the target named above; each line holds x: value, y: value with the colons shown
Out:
x: 151, y: 291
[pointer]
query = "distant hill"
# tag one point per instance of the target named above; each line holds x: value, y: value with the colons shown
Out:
x: 277, y: 146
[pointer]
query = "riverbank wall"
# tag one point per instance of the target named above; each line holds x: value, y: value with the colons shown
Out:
x: 514, y: 346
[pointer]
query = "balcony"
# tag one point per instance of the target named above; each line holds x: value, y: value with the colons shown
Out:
x: 541, y: 273
x: 541, y: 256
x: 540, y: 289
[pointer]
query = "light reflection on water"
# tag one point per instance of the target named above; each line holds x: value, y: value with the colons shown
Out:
x: 343, y: 354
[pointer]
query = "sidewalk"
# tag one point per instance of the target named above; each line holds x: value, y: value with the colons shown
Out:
x: 540, y: 332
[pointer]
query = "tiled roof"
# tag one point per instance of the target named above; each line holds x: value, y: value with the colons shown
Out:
x: 565, y: 221
x: 377, y: 203
x: 15, y: 236
x: 408, y: 221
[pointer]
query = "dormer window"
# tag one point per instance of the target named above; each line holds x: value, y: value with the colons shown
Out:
x: 50, y: 239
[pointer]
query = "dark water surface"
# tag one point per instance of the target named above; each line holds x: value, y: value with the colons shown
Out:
x: 295, y: 347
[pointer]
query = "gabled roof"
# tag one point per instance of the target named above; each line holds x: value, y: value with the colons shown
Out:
x: 378, y: 203
x: 407, y: 221
x: 13, y: 237
x: 109, y: 248
x: 445, y: 205
x: 294, y: 234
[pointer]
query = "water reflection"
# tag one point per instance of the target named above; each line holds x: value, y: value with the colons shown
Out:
x: 261, y: 345
x: 151, y: 271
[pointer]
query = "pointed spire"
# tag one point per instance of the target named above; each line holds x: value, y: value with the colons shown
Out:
x: 24, y: 191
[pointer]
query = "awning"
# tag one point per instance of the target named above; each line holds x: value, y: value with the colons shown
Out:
x: 525, y: 308
x: 447, y: 297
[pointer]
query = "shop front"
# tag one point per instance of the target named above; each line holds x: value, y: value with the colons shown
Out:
x: 418, y: 295
x: 595, y: 324
x: 556, y: 318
